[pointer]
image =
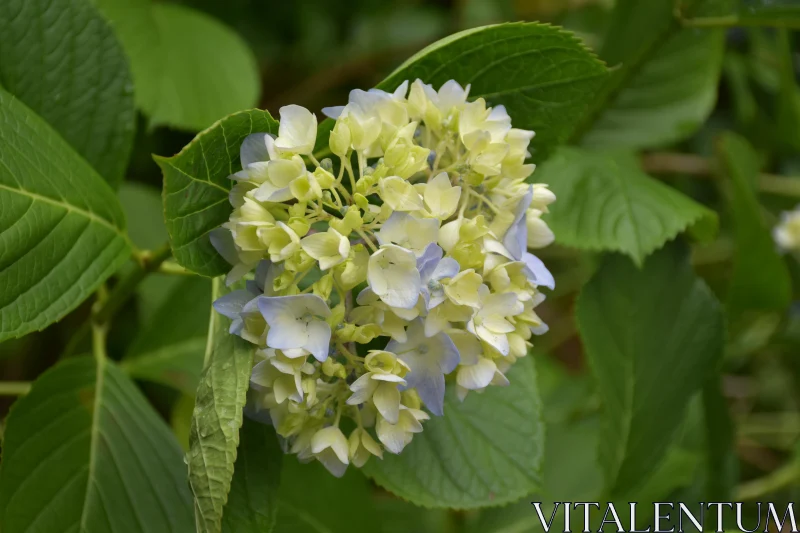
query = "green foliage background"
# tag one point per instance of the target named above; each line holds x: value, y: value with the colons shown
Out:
x: 668, y: 129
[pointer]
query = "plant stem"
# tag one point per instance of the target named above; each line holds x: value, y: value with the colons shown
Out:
x: 783, y: 477
x: 171, y: 267
x: 99, y: 335
x: 701, y: 167
x: 107, y: 305
x: 147, y: 262
x: 14, y: 388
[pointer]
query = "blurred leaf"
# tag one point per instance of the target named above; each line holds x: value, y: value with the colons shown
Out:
x: 196, y: 188
x: 313, y: 501
x: 779, y: 13
x: 135, y: 25
x: 217, y: 418
x: 543, y: 75
x: 189, y: 68
x: 720, y: 436
x: 744, y: 102
x: 485, y: 451
x: 760, y: 278
x: 665, y: 83
x: 142, y: 203
x: 252, y: 502
x: 209, y: 71
x: 85, y: 450
x: 61, y: 227
x: 651, y: 337
x: 61, y: 58
x: 169, y: 349
x: 605, y: 202
x: 788, y: 110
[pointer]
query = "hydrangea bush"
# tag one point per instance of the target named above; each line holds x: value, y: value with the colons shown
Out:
x: 378, y: 274
x: 370, y: 284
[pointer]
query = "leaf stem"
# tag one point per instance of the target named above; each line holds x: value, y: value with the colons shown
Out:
x: 108, y: 304
x: 783, y: 477
x: 702, y: 167
x: 171, y: 267
x: 99, y: 335
x: 14, y: 388
x: 147, y: 262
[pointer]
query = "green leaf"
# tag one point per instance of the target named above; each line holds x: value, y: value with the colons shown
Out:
x: 252, y: 502
x: 313, y: 501
x: 135, y: 25
x: 652, y: 336
x: 720, y: 441
x: 61, y: 58
x: 61, y: 227
x: 173, y: 355
x: 217, y: 418
x: 605, y: 202
x: 544, y: 75
x: 84, y: 450
x: 485, y: 451
x: 665, y: 83
x: 189, y: 68
x: 196, y: 188
x: 760, y: 278
x: 142, y: 203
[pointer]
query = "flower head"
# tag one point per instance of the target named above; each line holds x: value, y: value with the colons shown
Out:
x: 387, y: 273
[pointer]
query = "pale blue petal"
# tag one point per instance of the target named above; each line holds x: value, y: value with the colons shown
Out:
x: 253, y: 149
x: 262, y: 274
x: 429, y: 359
x: 447, y: 268
x: 447, y: 353
x: 232, y: 304
x: 516, y: 238
x: 333, y: 112
x: 430, y: 388
x: 273, y: 308
x: 237, y: 325
x: 222, y: 241
x: 537, y: 272
x: 428, y: 261
x: 319, y: 339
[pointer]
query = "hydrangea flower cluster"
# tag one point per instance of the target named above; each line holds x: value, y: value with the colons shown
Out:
x: 377, y: 274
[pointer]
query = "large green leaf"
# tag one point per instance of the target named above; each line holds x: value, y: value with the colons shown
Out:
x: 217, y: 418
x: 61, y: 58
x: 311, y: 500
x: 544, y: 76
x: 173, y: 354
x: 84, y: 451
x: 189, y: 68
x: 61, y: 227
x: 485, y: 451
x: 665, y: 84
x: 196, y: 188
x: 253, y: 501
x: 652, y: 336
x: 605, y: 202
x: 135, y: 25
x: 760, y: 278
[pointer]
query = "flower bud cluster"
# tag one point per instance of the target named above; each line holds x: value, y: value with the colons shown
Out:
x: 400, y: 260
